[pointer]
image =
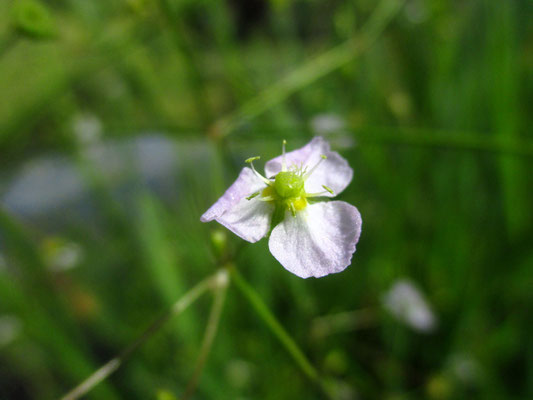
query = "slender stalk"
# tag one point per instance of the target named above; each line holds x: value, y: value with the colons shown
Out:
x: 170, y: 11
x: 210, y: 331
x: 435, y: 138
x: 7, y: 42
x: 312, y: 70
x: 112, y: 365
x: 276, y: 328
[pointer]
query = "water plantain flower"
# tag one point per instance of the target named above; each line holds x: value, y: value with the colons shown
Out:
x: 308, y: 235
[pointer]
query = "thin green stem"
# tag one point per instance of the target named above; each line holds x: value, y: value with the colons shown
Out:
x: 170, y: 11
x: 455, y: 140
x: 476, y: 141
x: 309, y: 72
x: 276, y: 328
x: 222, y: 282
x: 112, y: 365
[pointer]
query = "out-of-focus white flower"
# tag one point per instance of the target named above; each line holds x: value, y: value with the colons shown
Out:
x: 308, y: 237
x: 87, y: 128
x: 60, y: 254
x: 322, y: 124
x: 416, y: 11
x: 400, y: 104
x: 3, y: 263
x: 10, y: 327
x: 464, y: 368
x: 333, y: 128
x: 341, y: 390
x: 407, y: 303
x: 239, y: 373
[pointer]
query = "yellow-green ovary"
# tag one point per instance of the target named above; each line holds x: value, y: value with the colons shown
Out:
x: 289, y: 185
x: 288, y: 190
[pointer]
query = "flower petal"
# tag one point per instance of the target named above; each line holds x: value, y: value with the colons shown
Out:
x: 334, y: 172
x: 249, y: 219
x: 319, y: 240
x: 407, y: 303
x: 246, y: 184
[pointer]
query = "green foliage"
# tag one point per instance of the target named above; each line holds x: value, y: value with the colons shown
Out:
x: 32, y: 18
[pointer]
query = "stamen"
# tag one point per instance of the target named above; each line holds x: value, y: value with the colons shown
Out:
x: 267, y: 198
x: 252, y: 159
x: 283, y: 161
x: 293, y: 209
x: 327, y: 190
x: 308, y: 174
x: 251, y: 162
x: 253, y: 195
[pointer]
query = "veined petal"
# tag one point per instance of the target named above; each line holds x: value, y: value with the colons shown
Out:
x: 246, y: 183
x: 334, y: 172
x: 249, y: 219
x: 319, y: 240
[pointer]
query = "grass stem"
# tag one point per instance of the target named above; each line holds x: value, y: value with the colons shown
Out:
x: 312, y: 70
x: 222, y: 282
x: 277, y: 329
x: 112, y: 365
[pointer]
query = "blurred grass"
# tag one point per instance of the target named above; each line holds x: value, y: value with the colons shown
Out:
x: 438, y: 108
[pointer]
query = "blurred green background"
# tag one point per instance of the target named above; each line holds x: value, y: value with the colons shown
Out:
x: 122, y: 121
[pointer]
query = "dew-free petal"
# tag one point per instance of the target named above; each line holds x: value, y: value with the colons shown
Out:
x: 319, y: 240
x: 246, y: 183
x: 407, y: 303
x: 334, y: 172
x: 248, y: 219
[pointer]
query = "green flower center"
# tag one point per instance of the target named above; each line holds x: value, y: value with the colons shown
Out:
x: 287, y: 191
x: 289, y: 184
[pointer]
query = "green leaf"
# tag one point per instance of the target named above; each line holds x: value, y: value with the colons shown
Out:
x: 32, y: 18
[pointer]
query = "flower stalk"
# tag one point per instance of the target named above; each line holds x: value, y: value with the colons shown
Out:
x: 277, y: 330
x: 222, y: 283
x: 112, y: 365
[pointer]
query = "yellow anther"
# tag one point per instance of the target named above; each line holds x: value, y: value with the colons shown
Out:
x: 252, y: 159
x: 328, y: 189
x: 300, y: 204
x: 269, y: 191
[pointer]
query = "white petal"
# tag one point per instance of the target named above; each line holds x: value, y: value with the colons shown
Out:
x: 407, y: 303
x: 246, y: 184
x: 249, y: 219
x: 334, y: 172
x: 319, y: 240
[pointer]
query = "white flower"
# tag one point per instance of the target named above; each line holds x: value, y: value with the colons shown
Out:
x: 3, y: 263
x: 405, y: 301
x: 308, y: 237
x: 333, y: 128
x: 10, y: 327
x: 87, y: 128
x: 465, y: 368
x: 61, y: 255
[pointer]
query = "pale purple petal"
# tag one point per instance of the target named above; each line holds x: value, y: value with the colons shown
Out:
x: 246, y: 184
x: 319, y: 240
x: 249, y: 219
x: 407, y: 303
x: 334, y: 172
